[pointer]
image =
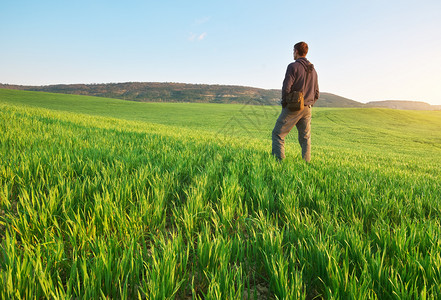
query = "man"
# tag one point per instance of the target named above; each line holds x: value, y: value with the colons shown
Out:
x: 296, y: 74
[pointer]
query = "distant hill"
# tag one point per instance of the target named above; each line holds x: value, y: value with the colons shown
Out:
x: 331, y: 100
x: 202, y: 93
x: 401, y: 104
x: 181, y: 92
x: 163, y: 92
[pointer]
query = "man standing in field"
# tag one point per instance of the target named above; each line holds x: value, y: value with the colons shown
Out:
x: 297, y: 79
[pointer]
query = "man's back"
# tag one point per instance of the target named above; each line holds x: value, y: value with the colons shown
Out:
x: 295, y: 80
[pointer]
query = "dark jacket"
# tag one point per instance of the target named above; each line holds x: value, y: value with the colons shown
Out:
x: 295, y: 78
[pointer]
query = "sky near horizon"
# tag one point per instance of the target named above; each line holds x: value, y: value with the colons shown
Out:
x: 362, y: 50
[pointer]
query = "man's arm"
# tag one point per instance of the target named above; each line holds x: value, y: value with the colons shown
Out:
x: 288, y: 81
x: 316, y: 88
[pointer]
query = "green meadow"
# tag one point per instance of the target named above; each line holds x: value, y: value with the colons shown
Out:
x: 103, y: 198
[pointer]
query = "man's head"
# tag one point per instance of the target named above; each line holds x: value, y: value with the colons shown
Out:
x: 300, y: 50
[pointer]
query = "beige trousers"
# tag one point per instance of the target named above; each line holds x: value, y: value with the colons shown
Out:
x: 284, y: 124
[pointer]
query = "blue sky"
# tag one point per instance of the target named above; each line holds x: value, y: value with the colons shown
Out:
x: 363, y: 50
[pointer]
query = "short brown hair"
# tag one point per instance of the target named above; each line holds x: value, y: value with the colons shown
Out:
x: 302, y: 48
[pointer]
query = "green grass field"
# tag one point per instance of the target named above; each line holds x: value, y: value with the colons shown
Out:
x: 104, y: 198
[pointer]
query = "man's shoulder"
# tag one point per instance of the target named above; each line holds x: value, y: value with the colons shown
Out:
x: 294, y: 65
x: 301, y: 62
x: 291, y: 65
